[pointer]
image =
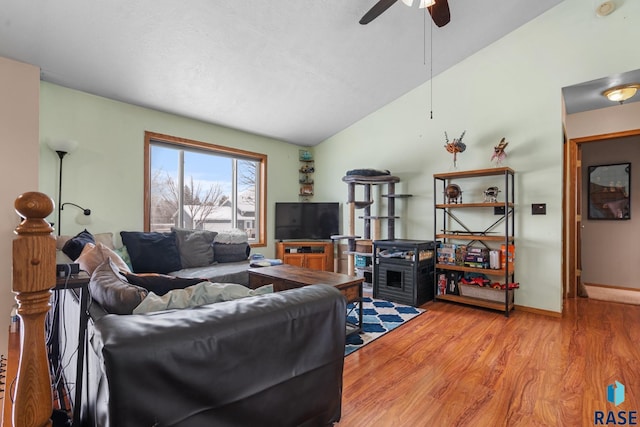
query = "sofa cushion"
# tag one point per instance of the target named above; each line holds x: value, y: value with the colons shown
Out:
x: 226, y: 272
x: 231, y: 252
x: 197, y: 295
x: 94, y: 255
x: 112, y: 291
x: 152, y: 252
x: 160, y: 284
x: 367, y: 172
x: 73, y: 247
x: 195, y: 247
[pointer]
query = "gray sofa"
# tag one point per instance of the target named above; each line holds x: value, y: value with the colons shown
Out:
x: 216, y: 257
x: 271, y: 360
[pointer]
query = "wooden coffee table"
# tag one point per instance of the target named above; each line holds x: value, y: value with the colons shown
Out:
x: 287, y: 276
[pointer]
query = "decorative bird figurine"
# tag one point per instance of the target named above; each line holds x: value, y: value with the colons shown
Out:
x: 455, y: 147
x: 498, y: 152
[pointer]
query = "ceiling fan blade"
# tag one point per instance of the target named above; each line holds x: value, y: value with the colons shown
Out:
x: 440, y: 13
x: 376, y: 11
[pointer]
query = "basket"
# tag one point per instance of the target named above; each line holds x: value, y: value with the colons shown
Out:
x: 485, y: 293
x: 362, y: 261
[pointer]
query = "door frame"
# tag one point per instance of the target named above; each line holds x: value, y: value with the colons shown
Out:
x: 572, y: 207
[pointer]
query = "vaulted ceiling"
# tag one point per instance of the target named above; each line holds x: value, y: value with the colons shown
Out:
x: 299, y: 71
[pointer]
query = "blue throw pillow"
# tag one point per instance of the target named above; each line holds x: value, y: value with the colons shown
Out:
x: 73, y: 247
x: 152, y: 252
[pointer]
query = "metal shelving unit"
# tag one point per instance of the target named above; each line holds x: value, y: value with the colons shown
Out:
x: 448, y: 213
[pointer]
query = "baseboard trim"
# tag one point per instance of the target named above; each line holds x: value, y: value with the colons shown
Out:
x: 617, y: 294
x: 622, y: 288
x: 538, y: 311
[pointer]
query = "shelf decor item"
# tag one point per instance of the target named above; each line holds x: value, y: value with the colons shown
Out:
x: 305, y: 155
x: 498, y: 152
x: 305, y: 174
x: 491, y: 195
x: 453, y: 194
x: 455, y: 147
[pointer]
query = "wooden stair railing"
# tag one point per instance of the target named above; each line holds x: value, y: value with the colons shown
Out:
x: 34, y: 274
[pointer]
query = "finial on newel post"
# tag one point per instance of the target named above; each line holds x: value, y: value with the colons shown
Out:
x: 34, y: 274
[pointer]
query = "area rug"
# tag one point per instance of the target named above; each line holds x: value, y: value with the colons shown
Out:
x: 378, y: 318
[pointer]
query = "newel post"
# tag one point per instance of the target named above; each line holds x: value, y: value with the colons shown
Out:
x: 34, y: 274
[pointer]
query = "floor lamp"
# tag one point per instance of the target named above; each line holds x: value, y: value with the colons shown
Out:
x: 62, y: 147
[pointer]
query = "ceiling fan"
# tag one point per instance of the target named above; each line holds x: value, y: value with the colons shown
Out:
x: 439, y: 10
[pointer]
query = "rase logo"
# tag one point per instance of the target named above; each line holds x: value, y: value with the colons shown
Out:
x: 615, y: 395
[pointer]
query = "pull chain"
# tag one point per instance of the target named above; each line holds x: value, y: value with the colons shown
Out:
x: 431, y: 69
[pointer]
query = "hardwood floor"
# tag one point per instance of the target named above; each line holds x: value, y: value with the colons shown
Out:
x: 462, y: 366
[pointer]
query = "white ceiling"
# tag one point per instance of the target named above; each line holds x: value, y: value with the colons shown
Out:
x: 299, y: 71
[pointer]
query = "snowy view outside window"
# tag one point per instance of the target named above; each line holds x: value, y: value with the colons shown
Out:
x: 200, y: 189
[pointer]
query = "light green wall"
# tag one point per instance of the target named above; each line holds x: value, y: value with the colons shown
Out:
x: 513, y: 89
x: 105, y: 172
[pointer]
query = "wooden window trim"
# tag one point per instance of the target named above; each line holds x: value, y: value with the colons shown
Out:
x: 189, y: 143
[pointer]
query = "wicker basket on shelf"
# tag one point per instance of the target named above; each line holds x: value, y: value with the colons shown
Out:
x: 485, y: 293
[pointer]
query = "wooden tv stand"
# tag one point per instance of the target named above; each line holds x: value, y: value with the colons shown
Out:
x: 316, y: 255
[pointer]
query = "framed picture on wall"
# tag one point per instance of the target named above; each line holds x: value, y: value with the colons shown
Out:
x: 609, y: 192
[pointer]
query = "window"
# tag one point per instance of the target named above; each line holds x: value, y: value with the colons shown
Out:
x: 191, y: 184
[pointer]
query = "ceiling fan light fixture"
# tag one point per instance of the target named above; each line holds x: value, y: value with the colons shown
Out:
x: 423, y: 3
x: 621, y: 93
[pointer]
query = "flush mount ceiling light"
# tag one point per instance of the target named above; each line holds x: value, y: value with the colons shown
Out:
x: 423, y: 3
x: 621, y: 93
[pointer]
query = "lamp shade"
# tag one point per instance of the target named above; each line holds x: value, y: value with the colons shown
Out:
x: 83, y: 219
x: 62, y: 145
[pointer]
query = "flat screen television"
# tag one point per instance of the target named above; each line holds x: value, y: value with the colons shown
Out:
x: 306, y: 220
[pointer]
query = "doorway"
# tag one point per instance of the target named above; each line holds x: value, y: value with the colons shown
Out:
x: 573, y: 215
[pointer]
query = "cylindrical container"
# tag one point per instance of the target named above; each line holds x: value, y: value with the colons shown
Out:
x: 494, y: 260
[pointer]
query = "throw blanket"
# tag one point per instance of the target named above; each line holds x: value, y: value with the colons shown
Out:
x: 265, y: 262
x: 258, y: 260
x: 231, y: 236
x: 197, y: 295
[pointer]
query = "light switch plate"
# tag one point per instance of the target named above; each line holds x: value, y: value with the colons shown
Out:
x: 538, y: 209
